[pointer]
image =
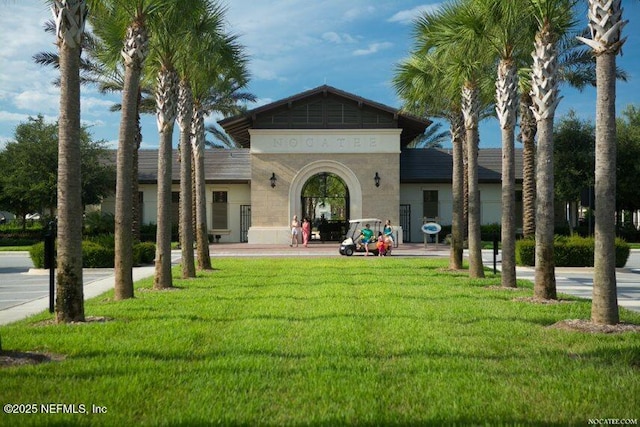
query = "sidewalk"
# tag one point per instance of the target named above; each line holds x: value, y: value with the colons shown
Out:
x: 578, y: 281
x: 573, y: 281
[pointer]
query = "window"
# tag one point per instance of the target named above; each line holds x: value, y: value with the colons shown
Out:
x: 219, y: 210
x: 430, y: 203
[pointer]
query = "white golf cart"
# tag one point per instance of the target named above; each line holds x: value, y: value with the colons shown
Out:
x: 352, y: 240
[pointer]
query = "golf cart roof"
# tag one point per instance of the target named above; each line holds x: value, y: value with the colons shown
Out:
x: 365, y: 220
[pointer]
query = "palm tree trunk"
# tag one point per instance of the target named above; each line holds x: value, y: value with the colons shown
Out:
x: 506, y: 105
x: 457, y: 185
x: 166, y: 98
x: 202, y: 239
x: 606, y: 25
x: 545, y: 96
x: 545, y: 278
x: 185, y: 113
x: 135, y: 186
x: 471, y: 110
x: 69, y: 287
x: 528, y: 130
x: 124, y: 185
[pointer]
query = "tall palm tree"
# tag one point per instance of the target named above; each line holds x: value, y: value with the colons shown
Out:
x: 122, y: 27
x: 421, y: 82
x: 554, y: 18
x: 185, y: 116
x: 169, y: 35
x: 605, y: 22
x: 468, y: 62
x: 70, y: 17
x: 506, y: 29
x: 576, y: 67
x: 217, y: 89
x: 208, y: 45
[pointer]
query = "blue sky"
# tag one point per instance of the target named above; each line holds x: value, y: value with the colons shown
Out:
x: 294, y: 45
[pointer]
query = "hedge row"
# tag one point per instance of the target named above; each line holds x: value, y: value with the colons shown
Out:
x: 96, y: 255
x: 573, y: 251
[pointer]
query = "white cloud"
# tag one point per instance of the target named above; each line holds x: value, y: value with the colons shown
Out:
x: 408, y: 16
x: 373, y: 48
x: 39, y: 101
x: 355, y: 13
x: 10, y: 117
x: 333, y: 37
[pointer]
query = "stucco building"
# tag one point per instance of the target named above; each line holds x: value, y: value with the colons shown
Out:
x: 253, y: 191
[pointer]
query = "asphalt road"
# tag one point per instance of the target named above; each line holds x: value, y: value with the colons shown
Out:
x: 18, y: 285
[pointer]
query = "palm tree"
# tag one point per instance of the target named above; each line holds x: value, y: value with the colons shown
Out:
x: 505, y: 28
x: 217, y: 89
x: 433, y: 137
x: 169, y: 35
x: 605, y: 22
x: 421, y: 82
x: 185, y: 116
x: 113, y: 19
x: 554, y: 19
x: 70, y: 16
x: 466, y: 60
x: 576, y: 67
x: 208, y: 45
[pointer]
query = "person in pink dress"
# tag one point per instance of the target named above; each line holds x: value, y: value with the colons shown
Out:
x: 306, y: 231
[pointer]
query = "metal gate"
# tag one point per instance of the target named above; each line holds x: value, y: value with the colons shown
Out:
x: 405, y: 222
x: 245, y: 222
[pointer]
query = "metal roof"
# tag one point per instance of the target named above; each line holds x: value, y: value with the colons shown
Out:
x: 238, y: 126
x: 432, y: 165
x: 417, y: 165
x: 220, y: 165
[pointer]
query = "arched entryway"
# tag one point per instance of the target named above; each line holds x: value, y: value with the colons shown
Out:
x: 353, y: 201
x: 325, y: 203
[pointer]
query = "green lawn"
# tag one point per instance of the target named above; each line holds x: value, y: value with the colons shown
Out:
x: 336, y: 341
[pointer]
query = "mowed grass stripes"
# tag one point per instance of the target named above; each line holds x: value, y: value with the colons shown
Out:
x: 335, y: 341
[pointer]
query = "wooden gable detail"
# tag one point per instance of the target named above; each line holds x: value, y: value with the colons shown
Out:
x: 325, y: 111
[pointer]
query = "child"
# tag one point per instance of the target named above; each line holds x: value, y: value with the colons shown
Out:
x: 382, y: 246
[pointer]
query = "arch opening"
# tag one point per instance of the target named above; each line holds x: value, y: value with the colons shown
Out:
x: 325, y: 203
x: 342, y: 188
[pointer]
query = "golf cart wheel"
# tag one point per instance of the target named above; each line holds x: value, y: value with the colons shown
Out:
x: 348, y: 251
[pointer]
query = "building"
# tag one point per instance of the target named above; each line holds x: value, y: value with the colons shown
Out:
x: 291, y: 150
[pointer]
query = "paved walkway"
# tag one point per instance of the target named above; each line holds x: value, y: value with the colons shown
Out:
x: 574, y: 281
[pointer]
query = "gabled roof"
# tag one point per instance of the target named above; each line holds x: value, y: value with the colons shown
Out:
x: 238, y: 126
x: 432, y: 165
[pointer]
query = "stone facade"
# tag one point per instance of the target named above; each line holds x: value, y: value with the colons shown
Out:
x: 304, y: 154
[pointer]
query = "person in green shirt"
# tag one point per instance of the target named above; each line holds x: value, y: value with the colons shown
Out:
x: 366, y: 236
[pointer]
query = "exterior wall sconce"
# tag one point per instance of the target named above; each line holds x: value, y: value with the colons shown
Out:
x: 273, y: 179
x: 376, y: 179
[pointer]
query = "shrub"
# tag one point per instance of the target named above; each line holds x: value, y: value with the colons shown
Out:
x: 97, y: 223
x: 95, y: 255
x: 36, y: 252
x: 526, y: 252
x: 18, y: 237
x: 572, y: 251
x: 144, y: 253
